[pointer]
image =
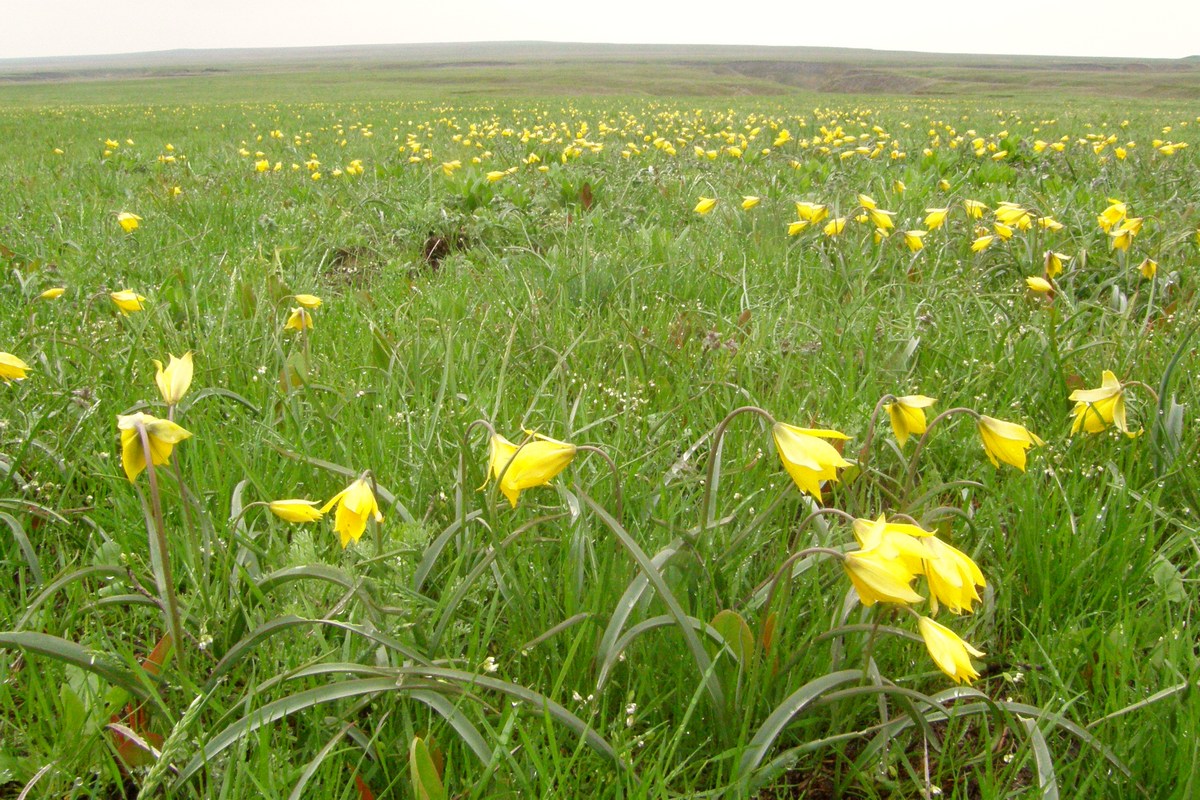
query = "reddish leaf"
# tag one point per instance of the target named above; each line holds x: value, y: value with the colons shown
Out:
x: 364, y: 791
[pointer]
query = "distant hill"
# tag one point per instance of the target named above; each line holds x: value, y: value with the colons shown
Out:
x: 533, y: 67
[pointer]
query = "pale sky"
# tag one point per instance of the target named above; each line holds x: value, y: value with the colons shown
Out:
x: 1163, y: 29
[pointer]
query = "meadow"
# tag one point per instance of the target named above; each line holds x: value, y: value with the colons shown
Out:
x: 781, y: 445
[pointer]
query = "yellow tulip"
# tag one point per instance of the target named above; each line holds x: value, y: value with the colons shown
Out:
x: 1096, y: 409
x: 1109, y: 218
x: 1120, y: 239
x: 796, y: 227
x: 948, y: 651
x: 835, y: 227
x: 128, y: 222
x: 1148, y: 268
x: 535, y: 463
x: 907, y: 415
x: 749, y: 201
x: 952, y: 576
x: 893, y: 540
x: 298, y: 320
x: 881, y: 219
x: 127, y: 301
x: 974, y: 208
x: 866, y: 201
x: 912, y: 240
x: 705, y: 205
x: 1006, y: 441
x: 1053, y: 263
x: 173, y: 382
x: 162, y: 434
x: 298, y: 511
x: 878, y: 579
x: 982, y: 243
x: 355, y: 505
x: 807, y: 458
x: 12, y: 368
x: 53, y: 294
x: 935, y: 217
x: 1039, y: 285
x: 309, y: 301
x: 811, y: 212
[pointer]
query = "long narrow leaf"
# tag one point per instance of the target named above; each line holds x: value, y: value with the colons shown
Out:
x: 699, y: 654
x: 786, y: 711
x: 77, y: 655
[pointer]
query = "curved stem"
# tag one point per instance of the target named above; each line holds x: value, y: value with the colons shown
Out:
x: 612, y: 467
x: 820, y: 512
x: 707, y: 511
x: 460, y: 508
x: 912, y: 463
x: 1145, y: 387
x: 786, y: 567
x: 864, y: 452
x: 158, y: 542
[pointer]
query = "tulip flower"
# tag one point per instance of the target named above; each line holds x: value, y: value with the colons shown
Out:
x: 1121, y: 238
x: 355, y: 505
x: 866, y: 201
x: 309, y: 301
x: 982, y: 243
x: 162, y: 434
x: 974, y: 208
x: 881, y: 219
x: 948, y: 651
x: 1109, y: 218
x: 1039, y: 285
x: 893, y: 540
x: 298, y: 320
x: 796, y: 227
x: 952, y: 576
x: 128, y: 222
x: 913, y: 240
x: 173, y: 382
x: 705, y: 205
x: 811, y: 212
x: 12, y: 368
x: 907, y: 415
x: 807, y: 458
x: 1148, y: 268
x: 127, y: 301
x: 935, y: 217
x: 298, y: 511
x: 53, y: 294
x: 1096, y: 409
x: 749, y: 201
x: 1053, y: 263
x: 536, y: 463
x: 879, y: 579
x: 1006, y: 441
x: 835, y: 227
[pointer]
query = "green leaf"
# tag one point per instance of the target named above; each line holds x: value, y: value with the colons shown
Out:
x: 427, y: 784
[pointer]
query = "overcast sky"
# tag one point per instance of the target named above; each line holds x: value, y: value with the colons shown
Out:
x: 1165, y: 29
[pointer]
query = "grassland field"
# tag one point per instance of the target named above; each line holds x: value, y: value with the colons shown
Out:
x: 514, y: 301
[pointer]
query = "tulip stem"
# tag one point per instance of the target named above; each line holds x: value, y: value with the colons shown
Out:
x: 160, y: 557
x: 784, y: 569
x: 865, y: 451
x: 912, y: 463
x: 708, y: 503
x: 1145, y: 387
x: 612, y: 466
x: 1052, y: 338
x: 460, y: 500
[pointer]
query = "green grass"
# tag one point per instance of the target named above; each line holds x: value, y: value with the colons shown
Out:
x: 519, y: 642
